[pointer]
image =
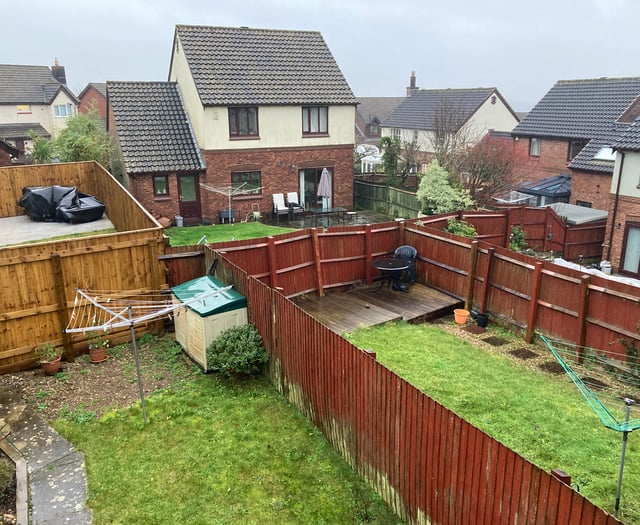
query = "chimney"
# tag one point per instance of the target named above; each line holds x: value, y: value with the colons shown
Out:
x: 412, y: 84
x: 58, y: 73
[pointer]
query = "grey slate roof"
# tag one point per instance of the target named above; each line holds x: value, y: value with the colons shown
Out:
x: 579, y: 109
x: 556, y: 186
x: 590, y: 109
x: 100, y: 87
x: 153, y: 128
x: 262, y: 66
x: 29, y: 85
x: 380, y: 107
x: 419, y: 111
x: 629, y: 139
x: 21, y: 131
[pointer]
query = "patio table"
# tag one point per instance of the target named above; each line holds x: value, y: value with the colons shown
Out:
x: 391, y: 269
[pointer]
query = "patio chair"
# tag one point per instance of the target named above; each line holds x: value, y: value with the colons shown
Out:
x: 294, y: 203
x: 279, y: 207
x: 408, y: 253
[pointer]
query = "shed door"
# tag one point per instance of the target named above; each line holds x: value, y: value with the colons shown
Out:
x: 189, y: 195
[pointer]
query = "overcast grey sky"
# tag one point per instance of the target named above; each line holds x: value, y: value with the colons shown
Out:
x: 522, y: 48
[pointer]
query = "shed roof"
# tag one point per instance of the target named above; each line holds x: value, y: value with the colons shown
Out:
x: 153, y: 128
x: 573, y: 214
x: 225, y: 301
x: 241, y: 65
x: 22, y: 130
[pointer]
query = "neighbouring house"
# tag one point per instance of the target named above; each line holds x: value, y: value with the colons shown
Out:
x: 270, y: 110
x: 158, y: 158
x: 33, y: 98
x: 573, y: 128
x: 465, y: 115
x: 370, y: 113
x: 622, y: 238
x: 94, y: 96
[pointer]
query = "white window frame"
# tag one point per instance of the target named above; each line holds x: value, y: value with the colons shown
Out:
x: 534, y: 147
x: 63, y: 110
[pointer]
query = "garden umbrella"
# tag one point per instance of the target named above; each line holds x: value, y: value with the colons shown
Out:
x: 324, y: 188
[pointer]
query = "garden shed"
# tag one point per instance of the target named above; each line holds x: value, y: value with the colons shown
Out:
x: 206, y: 314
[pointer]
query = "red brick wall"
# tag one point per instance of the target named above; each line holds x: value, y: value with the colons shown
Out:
x: 141, y: 186
x: 628, y: 210
x: 591, y: 187
x: 277, y: 177
x: 93, y: 97
x: 552, y: 160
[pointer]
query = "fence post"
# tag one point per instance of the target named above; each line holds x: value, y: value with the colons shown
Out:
x: 368, y: 247
x: 471, y: 278
x: 400, y: 232
x: 317, y: 259
x: 533, y: 301
x: 271, y: 254
x: 485, y: 278
x: 61, y: 300
x: 582, y: 314
x: 152, y: 256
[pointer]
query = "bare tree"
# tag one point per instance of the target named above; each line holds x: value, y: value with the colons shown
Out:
x: 452, y: 134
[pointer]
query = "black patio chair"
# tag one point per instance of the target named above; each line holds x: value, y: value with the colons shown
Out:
x: 408, y: 253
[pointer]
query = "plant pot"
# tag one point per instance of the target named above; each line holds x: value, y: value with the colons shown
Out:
x: 51, y: 367
x: 98, y: 354
x: 482, y: 320
x: 460, y: 315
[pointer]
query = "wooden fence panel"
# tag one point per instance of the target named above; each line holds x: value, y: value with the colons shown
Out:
x: 426, y: 463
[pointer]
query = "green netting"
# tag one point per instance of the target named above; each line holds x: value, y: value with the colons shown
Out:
x: 589, y: 362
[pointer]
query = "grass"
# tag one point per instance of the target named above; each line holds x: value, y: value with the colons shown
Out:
x: 191, y: 235
x: 217, y: 451
x: 541, y: 416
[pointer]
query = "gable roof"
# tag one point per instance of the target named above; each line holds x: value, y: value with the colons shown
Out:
x: 377, y: 107
x: 100, y: 87
x: 29, y: 85
x: 153, y: 128
x: 261, y: 66
x: 580, y: 109
x: 629, y: 139
x: 420, y: 110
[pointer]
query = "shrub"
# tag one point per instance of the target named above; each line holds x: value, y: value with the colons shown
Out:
x: 462, y: 228
x: 517, y: 238
x: 237, y: 350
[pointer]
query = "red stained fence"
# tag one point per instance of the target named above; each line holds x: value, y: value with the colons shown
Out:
x: 533, y: 295
x: 427, y: 463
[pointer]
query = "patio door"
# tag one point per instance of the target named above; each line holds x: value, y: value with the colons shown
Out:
x: 189, y: 197
x: 630, y: 259
x: 309, y: 180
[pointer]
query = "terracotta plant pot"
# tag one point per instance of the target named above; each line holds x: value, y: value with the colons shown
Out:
x: 460, y: 315
x: 98, y: 354
x: 51, y: 367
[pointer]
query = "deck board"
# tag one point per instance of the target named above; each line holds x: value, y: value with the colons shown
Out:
x: 363, y: 306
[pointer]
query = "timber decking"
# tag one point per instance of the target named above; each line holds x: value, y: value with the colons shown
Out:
x: 363, y: 307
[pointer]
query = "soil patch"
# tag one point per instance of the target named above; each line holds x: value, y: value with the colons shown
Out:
x: 495, y: 341
x: 553, y: 367
x: 523, y: 353
x: 474, y: 329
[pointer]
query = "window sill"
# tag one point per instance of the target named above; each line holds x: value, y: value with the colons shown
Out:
x: 245, y: 137
x: 159, y: 198
x: 314, y: 135
x: 252, y: 197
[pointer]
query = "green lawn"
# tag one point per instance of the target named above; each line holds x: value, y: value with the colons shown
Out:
x: 218, y: 452
x: 191, y: 235
x: 543, y: 417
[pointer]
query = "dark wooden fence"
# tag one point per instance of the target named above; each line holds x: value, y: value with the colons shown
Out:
x: 427, y: 463
x: 38, y: 281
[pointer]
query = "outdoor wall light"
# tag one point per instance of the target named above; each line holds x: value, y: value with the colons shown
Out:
x: 292, y: 168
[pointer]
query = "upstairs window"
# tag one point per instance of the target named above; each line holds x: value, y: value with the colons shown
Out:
x: 243, y: 122
x: 246, y: 182
x: 575, y: 147
x: 315, y: 120
x: 63, y: 110
x: 534, y: 147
